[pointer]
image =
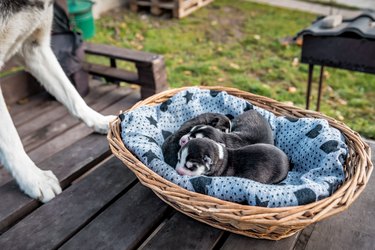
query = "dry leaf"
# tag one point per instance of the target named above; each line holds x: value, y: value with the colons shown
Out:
x: 292, y: 89
x: 342, y: 101
x: 234, y: 66
x: 295, y: 62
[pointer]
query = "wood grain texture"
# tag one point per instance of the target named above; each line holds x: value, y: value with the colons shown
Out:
x: 352, y: 229
x: 56, y: 221
x: 67, y: 165
x: 123, y: 225
x: 182, y: 232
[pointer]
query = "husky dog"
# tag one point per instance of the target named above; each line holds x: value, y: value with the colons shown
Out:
x: 171, y: 145
x: 248, y: 128
x: 260, y: 162
x: 25, y: 27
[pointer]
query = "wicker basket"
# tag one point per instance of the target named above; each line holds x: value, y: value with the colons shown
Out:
x: 253, y: 221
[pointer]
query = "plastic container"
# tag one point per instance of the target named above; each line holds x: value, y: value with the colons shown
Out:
x: 81, y: 17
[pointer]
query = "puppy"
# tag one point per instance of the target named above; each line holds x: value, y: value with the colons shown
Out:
x: 248, y: 128
x: 260, y: 162
x: 171, y: 145
x: 25, y: 27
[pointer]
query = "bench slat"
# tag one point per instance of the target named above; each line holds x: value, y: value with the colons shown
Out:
x: 111, y: 73
x: 120, y: 53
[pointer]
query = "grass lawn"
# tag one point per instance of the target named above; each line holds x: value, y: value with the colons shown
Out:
x: 237, y: 44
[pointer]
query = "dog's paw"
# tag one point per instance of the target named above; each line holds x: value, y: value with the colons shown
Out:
x: 39, y: 184
x: 102, y: 125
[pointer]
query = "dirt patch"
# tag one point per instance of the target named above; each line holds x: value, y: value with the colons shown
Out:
x: 227, y: 26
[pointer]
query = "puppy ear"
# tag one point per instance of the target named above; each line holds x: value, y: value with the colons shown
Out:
x: 214, y: 122
x: 207, y: 160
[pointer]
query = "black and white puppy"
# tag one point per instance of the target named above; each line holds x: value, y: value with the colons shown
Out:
x: 260, y: 162
x: 248, y: 128
x: 171, y: 145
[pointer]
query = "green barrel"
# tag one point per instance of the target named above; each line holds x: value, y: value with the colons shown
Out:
x: 81, y: 16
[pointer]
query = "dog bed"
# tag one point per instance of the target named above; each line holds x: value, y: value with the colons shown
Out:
x: 316, y: 150
x: 315, y: 147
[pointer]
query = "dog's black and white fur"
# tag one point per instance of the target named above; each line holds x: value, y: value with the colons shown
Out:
x: 171, y: 145
x: 260, y: 162
x: 25, y: 27
x: 248, y: 128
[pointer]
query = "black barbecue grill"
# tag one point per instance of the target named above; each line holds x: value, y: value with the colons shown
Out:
x: 349, y: 45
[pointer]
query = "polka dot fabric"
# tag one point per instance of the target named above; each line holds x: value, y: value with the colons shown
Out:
x: 316, y: 150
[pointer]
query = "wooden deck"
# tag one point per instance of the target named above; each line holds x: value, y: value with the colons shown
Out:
x: 103, y: 206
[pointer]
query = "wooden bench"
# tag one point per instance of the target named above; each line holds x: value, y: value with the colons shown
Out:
x: 103, y: 205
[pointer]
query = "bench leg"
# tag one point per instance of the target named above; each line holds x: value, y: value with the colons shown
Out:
x: 152, y: 77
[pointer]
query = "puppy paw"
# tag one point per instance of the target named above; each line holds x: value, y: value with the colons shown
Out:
x: 39, y: 184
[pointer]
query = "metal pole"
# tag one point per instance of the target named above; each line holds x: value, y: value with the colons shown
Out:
x: 308, y: 92
x: 320, y: 88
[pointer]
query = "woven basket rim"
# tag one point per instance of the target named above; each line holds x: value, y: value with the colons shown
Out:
x: 341, y: 199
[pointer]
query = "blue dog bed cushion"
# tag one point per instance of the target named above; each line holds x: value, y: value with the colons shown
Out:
x: 316, y: 151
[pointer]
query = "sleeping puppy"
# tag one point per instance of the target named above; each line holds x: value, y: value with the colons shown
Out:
x: 260, y: 162
x: 171, y: 145
x: 248, y: 128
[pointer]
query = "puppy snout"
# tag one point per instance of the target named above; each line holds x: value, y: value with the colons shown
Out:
x: 184, y: 140
x: 180, y: 171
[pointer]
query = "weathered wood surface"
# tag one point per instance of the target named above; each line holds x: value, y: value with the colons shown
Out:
x: 150, y: 68
x: 103, y: 206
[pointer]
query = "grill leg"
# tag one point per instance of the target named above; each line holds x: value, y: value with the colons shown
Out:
x: 308, y: 92
x: 320, y: 88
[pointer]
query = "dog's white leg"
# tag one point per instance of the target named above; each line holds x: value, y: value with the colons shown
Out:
x: 36, y: 183
x: 42, y: 64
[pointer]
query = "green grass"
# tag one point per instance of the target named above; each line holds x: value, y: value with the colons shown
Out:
x: 237, y: 43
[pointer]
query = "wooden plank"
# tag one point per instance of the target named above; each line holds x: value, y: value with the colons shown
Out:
x: 77, y: 132
x: 67, y: 165
x: 42, y: 108
x: 95, y: 96
x: 53, y: 223
x: 112, y: 73
x: 240, y: 242
x: 37, y: 111
x: 124, y: 224
x: 68, y: 126
x: 183, y: 232
x: 15, y: 205
x: 352, y: 229
x: 29, y: 102
x: 58, y: 125
x: 19, y: 85
x: 121, y: 53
